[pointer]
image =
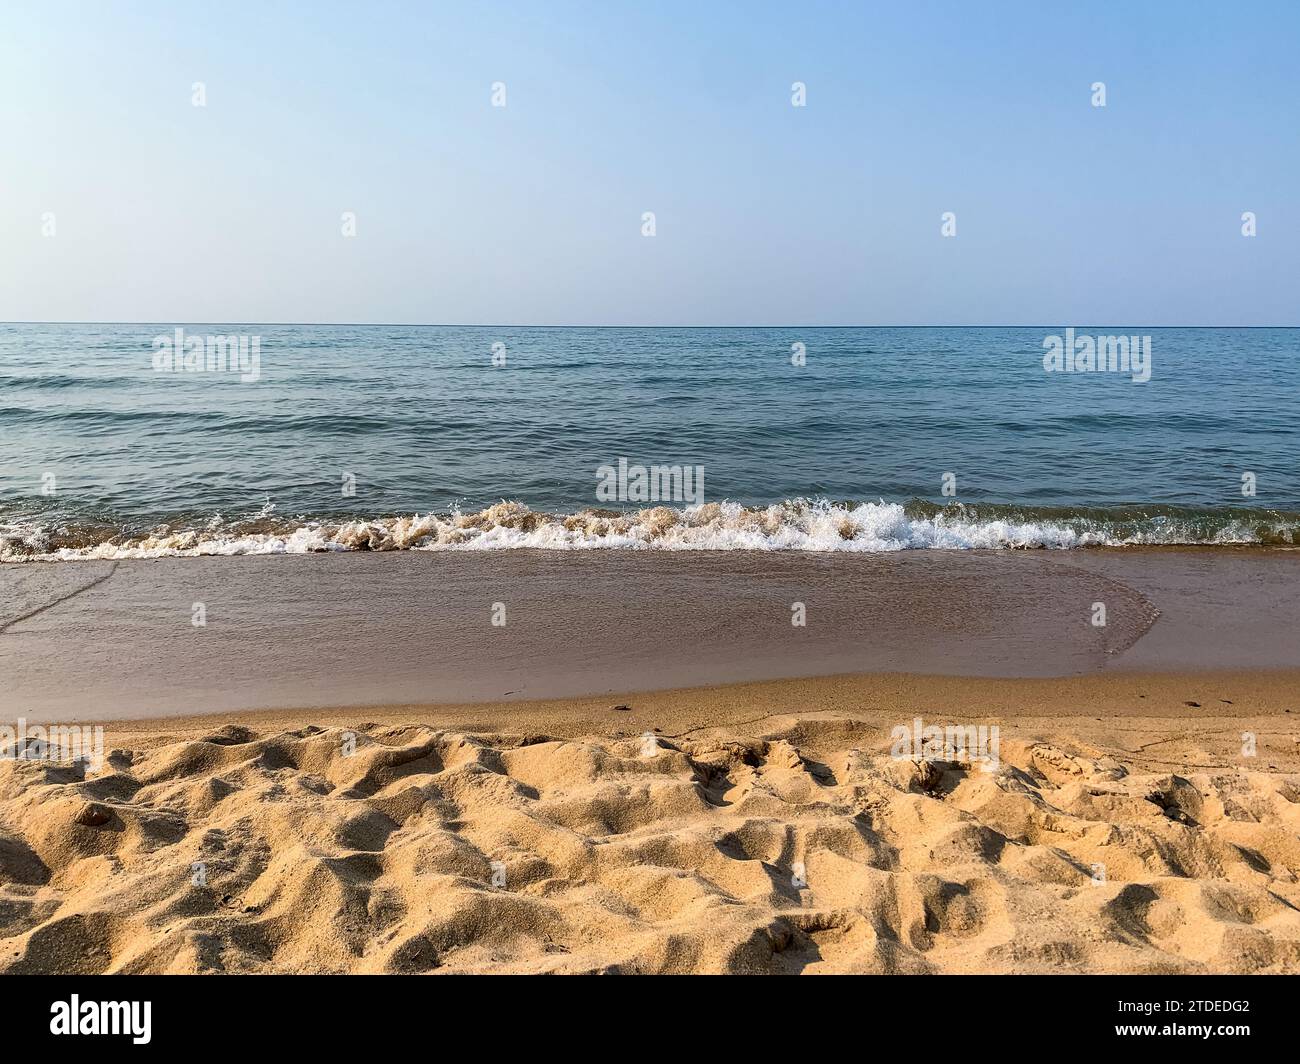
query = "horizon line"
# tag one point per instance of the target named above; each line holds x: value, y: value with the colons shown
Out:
x: 490, y: 325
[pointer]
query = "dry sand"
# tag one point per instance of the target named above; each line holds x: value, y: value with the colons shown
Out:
x: 766, y: 829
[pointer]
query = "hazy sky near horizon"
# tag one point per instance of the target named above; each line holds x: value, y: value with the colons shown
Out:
x: 828, y: 214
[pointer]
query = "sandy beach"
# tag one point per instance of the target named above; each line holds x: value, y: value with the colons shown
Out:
x: 763, y: 828
x: 1127, y: 818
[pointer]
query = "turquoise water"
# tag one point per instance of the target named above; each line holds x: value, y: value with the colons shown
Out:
x: 848, y: 451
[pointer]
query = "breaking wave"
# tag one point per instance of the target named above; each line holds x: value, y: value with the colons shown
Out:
x: 793, y: 525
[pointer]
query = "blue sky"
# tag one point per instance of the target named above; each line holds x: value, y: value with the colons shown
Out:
x: 765, y: 213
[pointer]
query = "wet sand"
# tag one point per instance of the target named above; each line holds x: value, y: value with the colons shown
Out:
x: 96, y: 641
x: 104, y: 640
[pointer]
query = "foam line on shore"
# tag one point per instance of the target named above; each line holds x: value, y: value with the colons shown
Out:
x: 791, y: 525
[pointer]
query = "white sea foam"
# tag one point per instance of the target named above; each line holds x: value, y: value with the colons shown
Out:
x: 798, y: 525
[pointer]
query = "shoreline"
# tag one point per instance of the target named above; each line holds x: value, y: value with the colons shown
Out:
x: 658, y: 522
x: 1232, y: 547
x: 119, y: 640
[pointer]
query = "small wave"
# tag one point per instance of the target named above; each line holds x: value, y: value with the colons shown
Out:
x: 59, y: 382
x: 793, y: 525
